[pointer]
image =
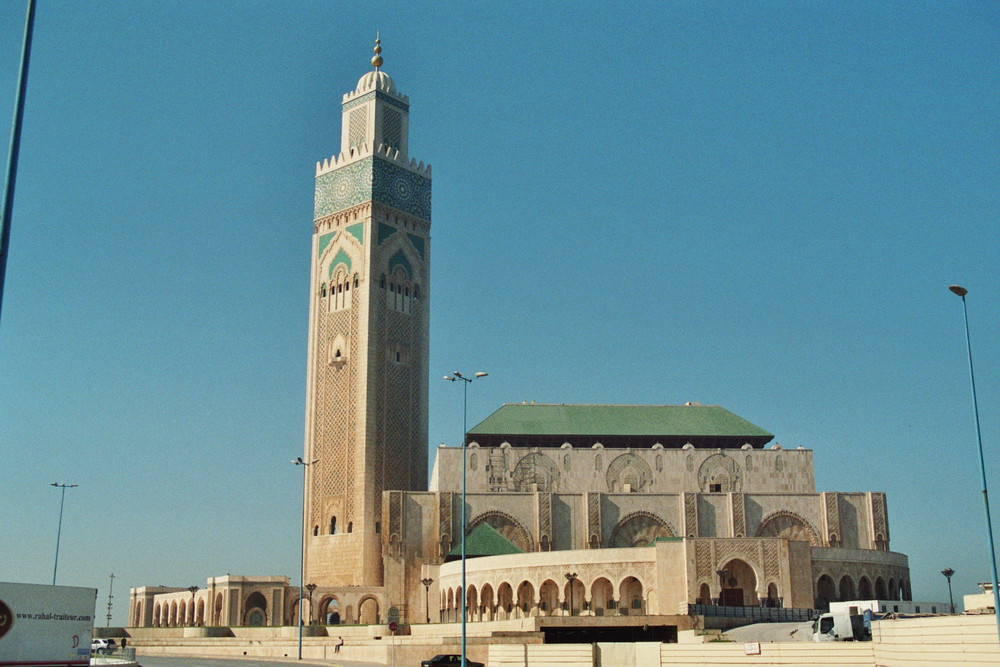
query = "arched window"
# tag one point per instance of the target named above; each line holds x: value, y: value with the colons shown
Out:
x: 333, y: 525
x: 378, y: 527
x: 416, y: 291
x: 315, y: 530
x: 355, y: 281
x: 322, y: 290
x: 350, y: 526
x: 381, y: 281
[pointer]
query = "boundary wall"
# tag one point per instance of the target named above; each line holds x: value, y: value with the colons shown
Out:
x: 910, y: 642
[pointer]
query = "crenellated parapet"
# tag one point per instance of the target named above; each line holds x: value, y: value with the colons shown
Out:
x: 364, y: 150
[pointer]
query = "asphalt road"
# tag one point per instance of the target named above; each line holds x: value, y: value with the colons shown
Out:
x: 167, y: 661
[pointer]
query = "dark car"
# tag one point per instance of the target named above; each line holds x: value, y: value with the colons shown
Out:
x: 449, y: 660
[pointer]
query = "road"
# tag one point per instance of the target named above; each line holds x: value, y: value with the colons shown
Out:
x: 167, y: 661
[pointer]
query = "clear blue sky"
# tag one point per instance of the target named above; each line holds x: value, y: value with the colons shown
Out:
x: 757, y: 205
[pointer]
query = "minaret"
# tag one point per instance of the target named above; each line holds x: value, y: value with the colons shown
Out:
x: 366, y: 393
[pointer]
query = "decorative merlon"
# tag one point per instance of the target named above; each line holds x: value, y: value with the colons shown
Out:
x: 363, y: 151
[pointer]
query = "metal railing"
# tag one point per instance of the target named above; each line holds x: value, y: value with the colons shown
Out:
x: 757, y: 614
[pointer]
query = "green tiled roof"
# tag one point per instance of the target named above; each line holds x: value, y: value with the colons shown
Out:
x: 485, y: 540
x: 617, y: 420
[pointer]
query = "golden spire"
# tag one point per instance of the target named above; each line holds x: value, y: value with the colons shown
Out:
x: 377, y: 59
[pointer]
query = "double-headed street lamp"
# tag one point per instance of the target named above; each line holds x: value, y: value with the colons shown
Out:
x: 454, y: 377
x: 192, y: 590
x: 961, y: 291
x: 302, y: 550
x: 427, y: 592
x: 570, y: 578
x: 62, y: 502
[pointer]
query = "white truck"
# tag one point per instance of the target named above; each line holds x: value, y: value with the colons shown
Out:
x: 841, y: 627
x: 46, y: 626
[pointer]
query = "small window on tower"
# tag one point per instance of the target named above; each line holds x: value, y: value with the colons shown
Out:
x: 715, y: 488
x: 378, y: 527
x: 381, y: 281
x: 416, y: 291
x: 315, y: 531
x: 355, y: 281
x: 333, y: 525
x: 397, y: 356
x: 350, y: 526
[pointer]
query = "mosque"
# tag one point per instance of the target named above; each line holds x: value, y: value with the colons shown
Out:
x: 611, y: 515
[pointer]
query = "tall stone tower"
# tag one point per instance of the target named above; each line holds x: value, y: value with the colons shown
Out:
x: 366, y: 410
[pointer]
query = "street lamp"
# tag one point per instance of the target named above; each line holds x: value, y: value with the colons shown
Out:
x: 302, y: 549
x: 454, y: 377
x: 570, y: 578
x: 427, y: 591
x: 62, y: 501
x: 722, y: 586
x: 947, y: 572
x: 193, y: 590
x: 311, y: 588
x: 961, y: 291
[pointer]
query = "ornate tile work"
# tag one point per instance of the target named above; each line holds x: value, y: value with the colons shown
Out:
x: 418, y: 244
x: 880, y: 524
x: 748, y: 550
x: 833, y: 533
x: 392, y: 127
x: 373, y: 178
x: 739, y: 515
x: 703, y: 558
x: 594, y: 520
x: 358, y: 231
x: 384, y: 232
x: 396, y: 514
x: 399, y: 258
x: 772, y: 554
x: 357, y: 127
x: 444, y: 521
x: 545, y: 519
x: 340, y: 257
x: 690, y: 515
x: 324, y: 241
x: 379, y: 95
x: 402, y: 189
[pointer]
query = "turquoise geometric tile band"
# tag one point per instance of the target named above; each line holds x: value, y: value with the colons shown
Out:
x: 373, y: 179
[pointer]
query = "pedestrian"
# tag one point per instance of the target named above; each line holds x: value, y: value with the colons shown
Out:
x: 336, y: 649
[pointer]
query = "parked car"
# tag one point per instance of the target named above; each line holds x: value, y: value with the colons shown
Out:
x: 102, y: 645
x: 449, y: 660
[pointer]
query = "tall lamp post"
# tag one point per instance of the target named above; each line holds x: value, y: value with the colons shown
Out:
x: 454, y: 377
x: 427, y: 592
x: 62, y: 502
x: 302, y: 549
x: 947, y: 572
x: 193, y: 590
x: 961, y: 291
x: 311, y: 588
x: 570, y: 578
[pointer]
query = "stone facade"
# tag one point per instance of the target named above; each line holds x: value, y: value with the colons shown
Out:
x: 366, y: 413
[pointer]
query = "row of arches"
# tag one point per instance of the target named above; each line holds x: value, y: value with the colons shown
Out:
x: 334, y: 527
x: 400, y: 294
x: 328, y: 611
x: 503, y: 601
x: 337, y: 294
x: 827, y: 590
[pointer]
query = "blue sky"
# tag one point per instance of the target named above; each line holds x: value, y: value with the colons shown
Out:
x: 757, y: 205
